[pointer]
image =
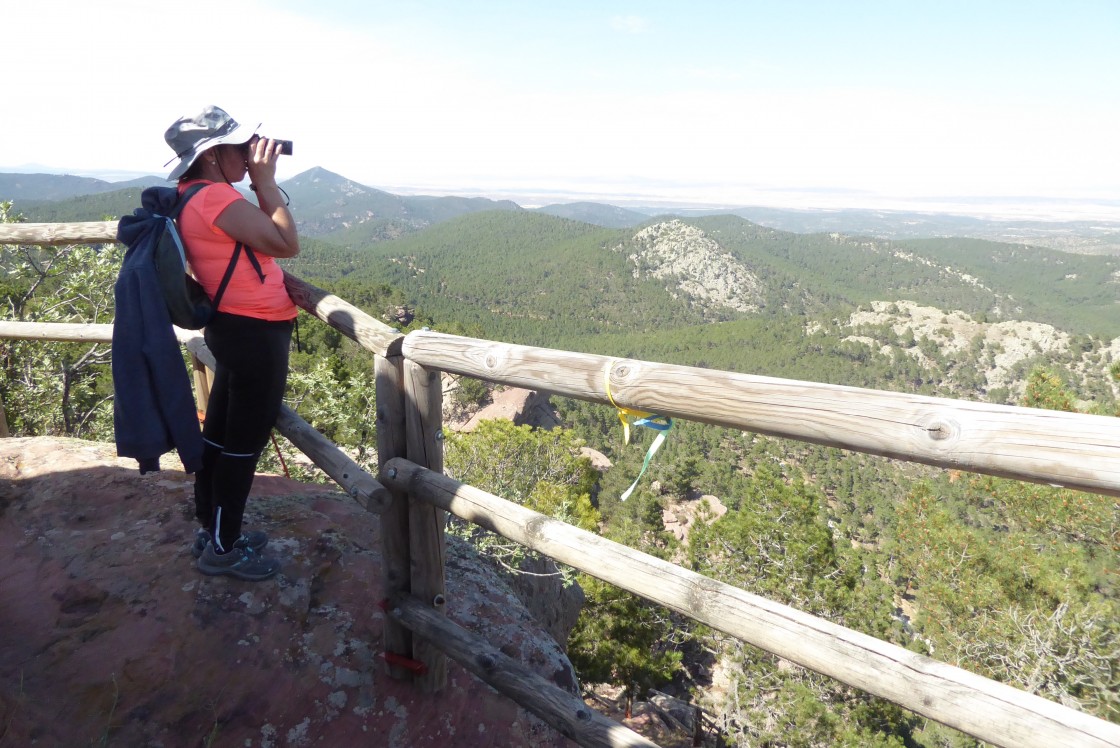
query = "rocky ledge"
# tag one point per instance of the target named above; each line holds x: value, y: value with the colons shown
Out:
x: 109, y: 636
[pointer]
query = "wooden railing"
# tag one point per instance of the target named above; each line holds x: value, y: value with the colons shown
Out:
x: 1072, y: 450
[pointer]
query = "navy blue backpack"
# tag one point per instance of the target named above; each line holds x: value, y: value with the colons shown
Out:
x: 153, y: 222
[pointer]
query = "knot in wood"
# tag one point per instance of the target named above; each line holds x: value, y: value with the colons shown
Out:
x: 940, y: 430
x: 534, y: 528
x: 491, y: 361
x: 700, y: 595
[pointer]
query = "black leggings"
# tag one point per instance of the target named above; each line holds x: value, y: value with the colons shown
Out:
x: 249, y: 382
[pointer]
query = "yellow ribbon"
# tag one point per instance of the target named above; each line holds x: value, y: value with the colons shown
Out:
x: 661, y: 424
x: 625, y: 415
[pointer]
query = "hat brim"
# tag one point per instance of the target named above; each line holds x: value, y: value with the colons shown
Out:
x: 236, y: 136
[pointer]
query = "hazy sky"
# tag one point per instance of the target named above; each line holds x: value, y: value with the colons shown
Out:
x: 734, y: 101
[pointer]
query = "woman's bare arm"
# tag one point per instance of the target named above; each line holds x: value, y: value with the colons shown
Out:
x: 269, y: 229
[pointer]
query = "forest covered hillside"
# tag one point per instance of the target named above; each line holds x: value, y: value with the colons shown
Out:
x: 541, y: 278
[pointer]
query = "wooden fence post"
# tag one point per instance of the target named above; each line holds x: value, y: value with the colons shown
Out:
x: 396, y: 573
x: 426, y: 523
x: 202, y: 383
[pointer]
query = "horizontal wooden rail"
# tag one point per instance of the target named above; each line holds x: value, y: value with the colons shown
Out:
x: 370, y: 333
x: 54, y: 234
x: 56, y: 331
x: 983, y: 708
x: 1043, y: 446
x: 1062, y: 449
x: 560, y: 709
x: 362, y: 487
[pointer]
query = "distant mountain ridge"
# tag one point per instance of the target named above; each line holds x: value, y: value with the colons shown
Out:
x: 597, y: 214
x: 352, y: 214
x: 716, y: 267
x: 36, y: 187
x: 349, y: 214
x: 326, y: 204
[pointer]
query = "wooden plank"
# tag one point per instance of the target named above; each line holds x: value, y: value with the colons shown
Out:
x: 57, y: 331
x: 424, y: 437
x: 55, y: 234
x: 1064, y: 449
x: 983, y: 708
x: 81, y: 332
x: 371, y: 334
x: 202, y: 384
x: 395, y: 564
x: 560, y: 709
x: 195, y: 344
x: 360, y: 485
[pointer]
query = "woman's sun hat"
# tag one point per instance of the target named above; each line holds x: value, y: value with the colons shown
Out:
x: 190, y: 137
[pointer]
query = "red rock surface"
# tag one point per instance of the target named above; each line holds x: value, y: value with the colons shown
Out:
x: 109, y: 636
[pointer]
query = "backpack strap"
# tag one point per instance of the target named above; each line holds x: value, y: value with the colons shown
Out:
x: 187, y: 195
x: 254, y: 262
x: 233, y: 266
x: 174, y: 215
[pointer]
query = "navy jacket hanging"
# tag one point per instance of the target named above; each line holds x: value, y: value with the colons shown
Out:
x: 153, y: 408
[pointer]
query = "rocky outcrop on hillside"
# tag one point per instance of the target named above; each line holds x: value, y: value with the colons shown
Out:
x: 111, y: 637
x: 1000, y: 347
x: 694, y: 265
x: 680, y: 515
x: 522, y: 407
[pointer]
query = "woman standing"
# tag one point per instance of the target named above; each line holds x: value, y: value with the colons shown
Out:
x: 251, y: 330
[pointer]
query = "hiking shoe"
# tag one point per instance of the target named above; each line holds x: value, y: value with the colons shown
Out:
x: 242, y: 562
x: 256, y: 540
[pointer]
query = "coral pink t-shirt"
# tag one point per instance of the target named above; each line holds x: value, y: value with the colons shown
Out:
x: 209, y: 250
